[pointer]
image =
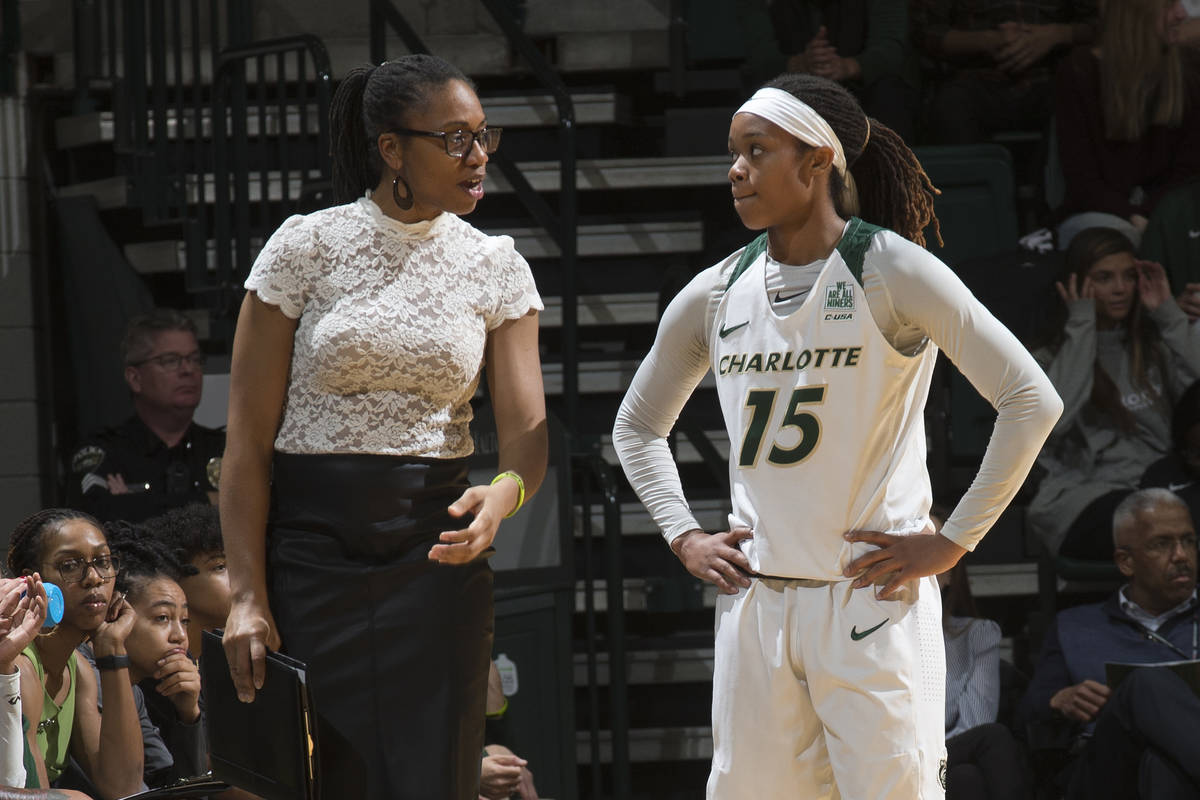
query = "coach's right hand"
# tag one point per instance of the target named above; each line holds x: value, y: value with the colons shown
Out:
x: 249, y: 633
x: 715, y: 557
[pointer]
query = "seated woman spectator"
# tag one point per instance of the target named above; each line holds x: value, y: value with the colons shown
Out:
x: 1179, y: 470
x: 160, y: 668
x: 192, y: 534
x: 983, y: 761
x: 70, y: 547
x: 1128, y: 115
x: 1119, y: 352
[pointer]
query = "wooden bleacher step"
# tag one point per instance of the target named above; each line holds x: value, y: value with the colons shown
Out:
x: 651, y: 667
x: 604, y: 309
x: 615, y: 239
x: 591, y: 175
x: 682, y: 743
x: 507, y: 111
x: 987, y: 580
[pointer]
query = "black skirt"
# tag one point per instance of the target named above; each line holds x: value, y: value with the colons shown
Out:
x: 397, y: 646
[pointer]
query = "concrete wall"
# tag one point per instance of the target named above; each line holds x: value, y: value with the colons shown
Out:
x: 20, y: 470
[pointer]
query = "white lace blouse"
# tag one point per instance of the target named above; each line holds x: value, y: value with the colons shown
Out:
x: 393, y: 320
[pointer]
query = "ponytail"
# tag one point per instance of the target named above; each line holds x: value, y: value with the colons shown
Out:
x: 353, y: 167
x: 893, y: 188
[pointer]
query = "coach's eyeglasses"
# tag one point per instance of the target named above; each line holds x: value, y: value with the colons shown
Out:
x: 459, y: 143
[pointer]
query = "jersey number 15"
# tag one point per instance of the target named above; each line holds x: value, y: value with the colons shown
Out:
x: 762, y: 403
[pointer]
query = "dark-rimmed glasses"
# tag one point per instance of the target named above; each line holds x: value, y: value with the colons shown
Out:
x: 459, y: 143
x: 74, y: 570
x: 171, y: 362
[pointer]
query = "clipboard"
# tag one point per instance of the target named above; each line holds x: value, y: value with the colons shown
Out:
x: 267, y: 747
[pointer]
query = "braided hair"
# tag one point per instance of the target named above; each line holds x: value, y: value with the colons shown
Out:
x: 893, y: 189
x: 142, y: 559
x: 25, y: 543
x: 371, y: 101
x: 187, y: 532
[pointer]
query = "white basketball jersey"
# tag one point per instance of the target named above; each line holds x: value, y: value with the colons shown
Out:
x: 825, y: 419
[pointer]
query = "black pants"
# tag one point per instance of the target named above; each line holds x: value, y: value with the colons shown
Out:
x: 397, y: 646
x: 1144, y: 745
x: 975, y: 103
x: 985, y: 763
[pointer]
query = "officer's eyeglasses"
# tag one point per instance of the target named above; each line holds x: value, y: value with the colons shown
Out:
x: 74, y: 570
x: 171, y: 362
x: 459, y: 143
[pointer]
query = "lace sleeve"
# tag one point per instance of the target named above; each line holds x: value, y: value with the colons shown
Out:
x: 514, y: 292
x: 282, y: 272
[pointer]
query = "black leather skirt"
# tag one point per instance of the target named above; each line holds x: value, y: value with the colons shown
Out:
x: 397, y: 646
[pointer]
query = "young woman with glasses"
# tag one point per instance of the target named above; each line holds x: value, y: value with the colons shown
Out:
x: 60, y: 699
x: 821, y: 336
x: 359, y: 346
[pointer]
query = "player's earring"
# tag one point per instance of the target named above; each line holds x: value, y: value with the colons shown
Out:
x: 406, y: 202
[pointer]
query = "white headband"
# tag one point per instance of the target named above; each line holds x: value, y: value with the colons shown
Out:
x: 798, y: 119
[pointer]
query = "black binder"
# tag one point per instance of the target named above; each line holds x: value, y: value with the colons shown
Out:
x: 269, y: 746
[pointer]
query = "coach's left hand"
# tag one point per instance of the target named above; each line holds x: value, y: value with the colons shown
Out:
x: 900, y: 558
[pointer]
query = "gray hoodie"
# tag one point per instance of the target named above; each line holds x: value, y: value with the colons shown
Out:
x: 1087, y: 455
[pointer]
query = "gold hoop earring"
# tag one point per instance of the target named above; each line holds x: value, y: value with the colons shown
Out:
x: 403, y: 203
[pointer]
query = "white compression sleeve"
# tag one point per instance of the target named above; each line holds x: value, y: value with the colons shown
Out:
x: 12, y: 738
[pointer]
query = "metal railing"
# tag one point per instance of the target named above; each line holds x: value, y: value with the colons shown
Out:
x: 156, y: 57
x: 562, y: 226
x: 285, y: 85
x: 596, y: 476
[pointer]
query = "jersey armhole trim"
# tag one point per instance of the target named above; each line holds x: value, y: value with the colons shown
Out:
x: 749, y: 255
x: 854, y: 245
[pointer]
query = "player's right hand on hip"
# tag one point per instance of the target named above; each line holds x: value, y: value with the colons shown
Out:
x: 715, y: 557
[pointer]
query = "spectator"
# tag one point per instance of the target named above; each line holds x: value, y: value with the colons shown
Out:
x: 158, y: 458
x: 502, y: 773
x: 1119, y: 352
x: 1179, y: 470
x: 997, y: 58
x: 1128, y: 115
x: 164, y: 676
x: 1172, y: 238
x: 1142, y: 739
x: 70, y: 547
x: 983, y: 760
x: 193, y: 536
x: 863, y: 44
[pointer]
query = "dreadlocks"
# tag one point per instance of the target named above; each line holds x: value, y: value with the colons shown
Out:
x: 893, y: 189
x: 187, y: 532
x: 25, y: 543
x: 371, y: 101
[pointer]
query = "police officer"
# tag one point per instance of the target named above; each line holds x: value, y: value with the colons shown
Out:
x: 158, y: 458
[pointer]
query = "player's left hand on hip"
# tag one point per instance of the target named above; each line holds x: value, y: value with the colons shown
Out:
x: 900, y: 559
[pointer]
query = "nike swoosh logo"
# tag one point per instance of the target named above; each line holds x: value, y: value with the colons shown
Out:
x: 1175, y: 487
x: 726, y: 331
x: 856, y: 636
x: 781, y: 299
x: 1194, y: 234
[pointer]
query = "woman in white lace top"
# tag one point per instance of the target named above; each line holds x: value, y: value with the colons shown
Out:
x: 353, y: 539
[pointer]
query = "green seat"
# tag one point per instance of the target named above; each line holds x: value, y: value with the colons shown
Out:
x: 977, y: 206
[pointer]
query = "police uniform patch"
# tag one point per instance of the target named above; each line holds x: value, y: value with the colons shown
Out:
x: 213, y: 471
x: 87, y: 459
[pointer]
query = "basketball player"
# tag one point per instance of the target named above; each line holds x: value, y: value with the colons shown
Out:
x: 822, y: 335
